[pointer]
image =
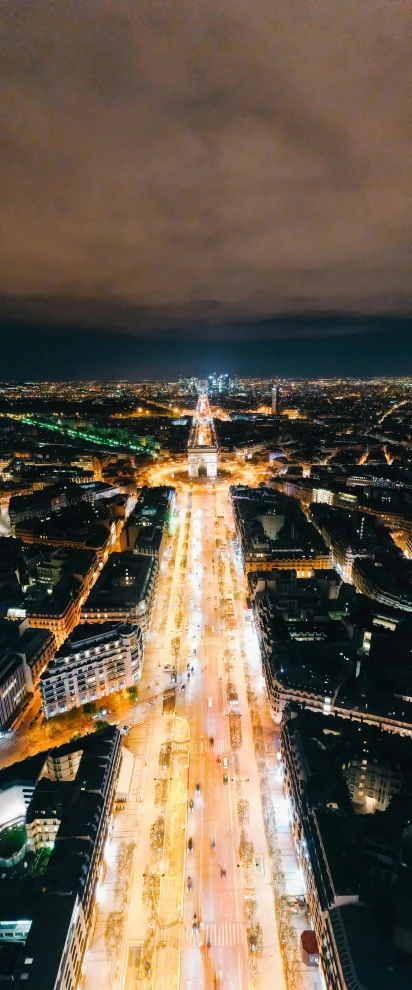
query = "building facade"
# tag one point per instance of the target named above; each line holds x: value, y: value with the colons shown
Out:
x: 92, y: 663
x: 14, y: 681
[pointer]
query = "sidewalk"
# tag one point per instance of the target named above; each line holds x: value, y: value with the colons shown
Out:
x: 312, y: 978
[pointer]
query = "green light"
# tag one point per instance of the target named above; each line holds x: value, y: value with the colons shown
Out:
x: 103, y: 437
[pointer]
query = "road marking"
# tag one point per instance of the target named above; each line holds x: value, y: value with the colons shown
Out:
x: 225, y: 934
x: 221, y: 745
x: 138, y: 717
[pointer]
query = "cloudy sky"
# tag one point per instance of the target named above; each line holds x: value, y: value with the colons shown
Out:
x: 197, y: 163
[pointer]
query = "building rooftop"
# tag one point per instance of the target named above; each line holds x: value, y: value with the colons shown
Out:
x: 123, y: 582
x: 370, y: 907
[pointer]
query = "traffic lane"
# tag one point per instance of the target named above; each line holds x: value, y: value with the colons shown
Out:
x: 215, y: 902
x: 221, y: 898
x: 222, y: 905
x: 216, y: 841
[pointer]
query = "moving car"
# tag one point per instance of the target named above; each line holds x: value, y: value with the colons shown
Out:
x: 190, y: 845
x: 225, y: 778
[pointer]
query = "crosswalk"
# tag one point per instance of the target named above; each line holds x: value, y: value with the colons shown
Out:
x: 145, y: 708
x: 8, y: 744
x: 221, y: 745
x: 223, y: 934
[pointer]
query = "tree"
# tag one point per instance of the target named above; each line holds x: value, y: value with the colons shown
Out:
x: 246, y: 850
x: 151, y: 891
x: 90, y: 708
x: 114, y: 932
x: 99, y: 725
x: 132, y: 694
x: 243, y: 813
x: 157, y: 835
x: 161, y: 793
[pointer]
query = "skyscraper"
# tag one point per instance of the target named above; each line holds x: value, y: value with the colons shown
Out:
x: 275, y: 400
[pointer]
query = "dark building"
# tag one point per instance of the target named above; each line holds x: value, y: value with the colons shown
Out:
x: 125, y: 591
x: 356, y: 864
x: 274, y: 533
x: 147, y: 526
x: 41, y: 503
x: 47, y: 912
x: 14, y: 686
x: 35, y: 646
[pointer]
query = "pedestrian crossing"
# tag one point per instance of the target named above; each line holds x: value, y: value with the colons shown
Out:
x: 8, y: 744
x: 144, y: 709
x: 219, y: 934
x: 221, y: 745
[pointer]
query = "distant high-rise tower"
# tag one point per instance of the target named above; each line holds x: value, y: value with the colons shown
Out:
x: 275, y: 400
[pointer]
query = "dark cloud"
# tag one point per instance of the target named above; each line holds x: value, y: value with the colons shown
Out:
x: 204, y: 162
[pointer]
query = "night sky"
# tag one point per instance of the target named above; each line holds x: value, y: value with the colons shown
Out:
x: 182, y: 180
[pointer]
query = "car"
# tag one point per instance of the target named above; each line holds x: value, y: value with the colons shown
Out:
x: 189, y: 885
x: 190, y: 845
x: 126, y: 728
x: 209, y: 702
x: 183, y: 687
x: 225, y: 762
x: 225, y: 778
x: 198, y: 788
x: 167, y: 666
x: 191, y: 805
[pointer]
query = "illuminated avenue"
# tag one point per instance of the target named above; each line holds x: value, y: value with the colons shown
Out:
x: 198, y: 613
